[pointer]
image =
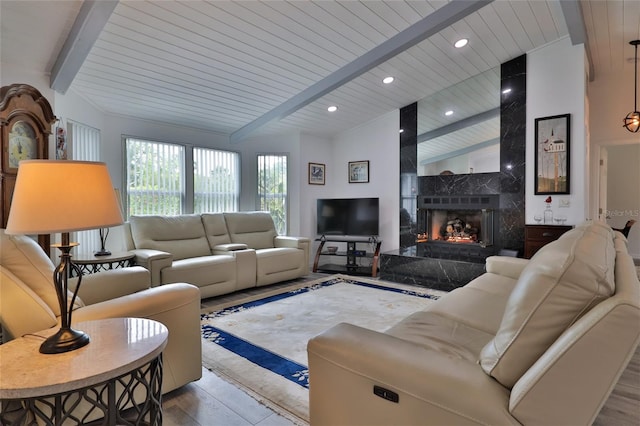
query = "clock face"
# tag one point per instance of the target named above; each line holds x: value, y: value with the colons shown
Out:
x: 22, y: 143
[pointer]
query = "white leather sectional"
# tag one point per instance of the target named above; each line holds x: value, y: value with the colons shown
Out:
x: 540, y: 341
x: 217, y: 252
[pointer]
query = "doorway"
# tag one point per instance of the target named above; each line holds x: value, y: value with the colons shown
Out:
x: 619, y: 195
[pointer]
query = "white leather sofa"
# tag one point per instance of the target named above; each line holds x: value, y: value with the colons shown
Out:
x: 28, y: 304
x: 540, y: 341
x: 217, y: 252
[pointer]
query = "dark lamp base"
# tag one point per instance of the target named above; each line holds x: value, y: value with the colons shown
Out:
x: 65, y: 340
x: 102, y: 253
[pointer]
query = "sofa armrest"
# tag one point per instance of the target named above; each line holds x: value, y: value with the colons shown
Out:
x: 154, y: 261
x: 228, y: 248
x: 301, y: 243
x: 293, y: 242
x: 246, y: 264
x: 143, y: 304
x: 347, y: 361
x: 177, y: 306
x: 506, y: 266
x: 106, y: 285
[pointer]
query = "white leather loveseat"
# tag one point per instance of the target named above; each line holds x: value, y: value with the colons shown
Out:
x: 217, y: 252
x: 540, y: 341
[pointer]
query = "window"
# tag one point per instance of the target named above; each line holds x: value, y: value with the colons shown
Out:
x: 216, y: 182
x: 84, y: 143
x: 157, y: 182
x: 272, y: 188
x: 155, y: 177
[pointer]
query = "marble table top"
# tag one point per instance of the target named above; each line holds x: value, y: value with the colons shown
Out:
x: 118, y: 346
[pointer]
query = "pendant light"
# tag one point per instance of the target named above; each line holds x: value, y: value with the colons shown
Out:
x: 632, y: 120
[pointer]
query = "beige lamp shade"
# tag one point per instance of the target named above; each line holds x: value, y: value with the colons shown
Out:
x: 62, y: 196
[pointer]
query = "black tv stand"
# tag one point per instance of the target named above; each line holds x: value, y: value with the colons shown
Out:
x: 354, y: 254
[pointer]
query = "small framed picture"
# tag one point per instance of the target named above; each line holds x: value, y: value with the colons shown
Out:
x: 316, y: 174
x: 552, y: 166
x: 358, y: 171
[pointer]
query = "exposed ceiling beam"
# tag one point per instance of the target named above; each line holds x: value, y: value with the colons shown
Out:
x: 459, y: 125
x: 442, y: 18
x: 462, y: 151
x: 574, y: 19
x: 86, y: 29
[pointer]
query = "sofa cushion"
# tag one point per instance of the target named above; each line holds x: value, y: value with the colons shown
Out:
x: 442, y: 334
x: 201, y: 271
x: 562, y: 282
x: 215, y: 229
x: 26, y: 313
x: 183, y: 236
x: 478, y: 304
x: 274, y: 260
x: 255, y: 229
x: 23, y: 257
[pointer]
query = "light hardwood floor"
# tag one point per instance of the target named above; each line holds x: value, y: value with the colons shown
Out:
x: 213, y: 401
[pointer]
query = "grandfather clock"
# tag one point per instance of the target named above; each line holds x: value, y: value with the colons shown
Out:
x: 26, y: 118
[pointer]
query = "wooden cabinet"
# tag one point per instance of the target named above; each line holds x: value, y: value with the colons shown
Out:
x: 537, y: 236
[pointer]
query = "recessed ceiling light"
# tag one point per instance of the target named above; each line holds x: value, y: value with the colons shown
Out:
x: 388, y: 80
x: 401, y: 131
x: 461, y: 43
x: 505, y: 91
x: 332, y: 108
x: 448, y: 113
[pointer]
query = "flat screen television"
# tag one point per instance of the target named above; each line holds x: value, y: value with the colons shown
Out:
x: 348, y: 216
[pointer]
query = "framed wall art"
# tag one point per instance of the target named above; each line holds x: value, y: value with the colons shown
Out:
x: 358, y: 171
x: 316, y: 174
x: 552, y: 154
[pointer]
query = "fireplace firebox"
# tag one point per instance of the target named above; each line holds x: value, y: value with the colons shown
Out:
x: 457, y: 226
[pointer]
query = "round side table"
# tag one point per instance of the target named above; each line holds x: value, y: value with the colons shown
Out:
x: 120, y: 369
x: 90, y: 264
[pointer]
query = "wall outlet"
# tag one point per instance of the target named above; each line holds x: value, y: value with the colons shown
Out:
x: 564, y: 202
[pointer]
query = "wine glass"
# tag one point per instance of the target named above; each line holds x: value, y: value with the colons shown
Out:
x: 560, y: 219
x: 538, y: 218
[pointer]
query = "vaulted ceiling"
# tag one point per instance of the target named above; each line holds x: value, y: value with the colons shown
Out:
x: 249, y: 68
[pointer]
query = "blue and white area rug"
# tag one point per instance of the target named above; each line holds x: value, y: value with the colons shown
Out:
x: 261, y: 345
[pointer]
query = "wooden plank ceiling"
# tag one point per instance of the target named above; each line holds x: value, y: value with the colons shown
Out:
x: 221, y: 65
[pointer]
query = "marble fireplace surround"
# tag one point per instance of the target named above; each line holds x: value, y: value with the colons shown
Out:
x: 409, y: 263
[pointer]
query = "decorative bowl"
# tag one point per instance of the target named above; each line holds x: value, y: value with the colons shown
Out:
x: 332, y: 249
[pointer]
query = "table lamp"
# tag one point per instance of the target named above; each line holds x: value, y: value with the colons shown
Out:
x: 63, y: 196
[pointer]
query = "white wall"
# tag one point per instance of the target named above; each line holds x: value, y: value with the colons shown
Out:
x: 378, y: 142
x: 282, y: 144
x: 314, y: 149
x: 556, y: 85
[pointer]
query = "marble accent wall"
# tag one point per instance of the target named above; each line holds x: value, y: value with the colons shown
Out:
x: 509, y: 182
x: 409, y: 139
x: 513, y: 133
x: 407, y: 264
x: 408, y: 173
